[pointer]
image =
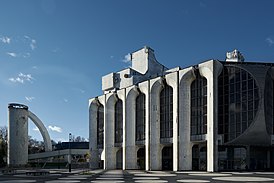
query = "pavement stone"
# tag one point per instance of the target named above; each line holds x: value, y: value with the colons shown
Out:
x: 136, y: 176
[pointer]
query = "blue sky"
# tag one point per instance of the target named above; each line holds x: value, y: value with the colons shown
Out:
x: 54, y: 53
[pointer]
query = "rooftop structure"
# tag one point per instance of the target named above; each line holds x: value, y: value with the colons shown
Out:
x: 144, y: 67
x: 234, y: 56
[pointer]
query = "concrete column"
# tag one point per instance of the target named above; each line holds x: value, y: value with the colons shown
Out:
x: 130, y: 148
x: 95, y: 153
x: 186, y: 77
x: 145, y: 88
x: 17, y: 135
x: 101, y: 152
x: 110, y: 152
x: 93, y: 107
x: 122, y: 95
x: 156, y: 85
x: 211, y: 70
x: 173, y: 81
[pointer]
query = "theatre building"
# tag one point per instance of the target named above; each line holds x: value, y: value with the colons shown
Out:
x: 213, y: 116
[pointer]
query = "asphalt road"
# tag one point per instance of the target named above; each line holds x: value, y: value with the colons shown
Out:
x: 137, y: 176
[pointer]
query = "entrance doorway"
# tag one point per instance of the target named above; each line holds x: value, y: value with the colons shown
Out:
x: 167, y: 158
x: 203, y: 158
x: 195, y: 157
x: 141, y: 158
x: 119, y: 159
x: 199, y: 158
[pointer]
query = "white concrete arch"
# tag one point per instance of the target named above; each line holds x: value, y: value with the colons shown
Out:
x: 130, y: 148
x: 186, y: 77
x: 43, y: 130
x: 173, y: 81
x: 144, y: 87
x: 211, y: 70
x: 156, y: 85
x: 110, y: 153
x: 93, y: 108
x: 121, y: 94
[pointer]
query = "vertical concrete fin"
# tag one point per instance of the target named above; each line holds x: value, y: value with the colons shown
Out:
x: 93, y: 109
x: 186, y: 77
x: 129, y: 129
x: 155, y: 146
x: 211, y: 70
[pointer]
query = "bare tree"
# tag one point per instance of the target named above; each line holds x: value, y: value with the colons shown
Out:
x: 79, y: 139
x: 35, y: 146
x: 3, y: 145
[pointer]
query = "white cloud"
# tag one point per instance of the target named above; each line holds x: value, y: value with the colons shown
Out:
x: 35, y: 129
x: 269, y: 41
x: 22, y: 78
x: 12, y: 54
x: 5, y: 39
x: 33, y: 44
x: 29, y: 98
x: 55, y: 129
x: 15, y: 80
x: 127, y: 58
x: 19, y: 55
x: 25, y: 43
x: 26, y: 55
x: 27, y: 77
x: 34, y: 67
x: 65, y: 100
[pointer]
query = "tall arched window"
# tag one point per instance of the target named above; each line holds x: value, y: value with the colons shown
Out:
x: 166, y: 112
x: 199, y: 105
x: 140, y: 117
x: 118, y: 121
x: 100, y: 126
x: 238, y: 101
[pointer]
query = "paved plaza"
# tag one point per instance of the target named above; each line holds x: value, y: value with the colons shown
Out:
x: 119, y: 176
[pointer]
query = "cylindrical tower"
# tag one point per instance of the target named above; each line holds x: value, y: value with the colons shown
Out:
x: 17, y: 135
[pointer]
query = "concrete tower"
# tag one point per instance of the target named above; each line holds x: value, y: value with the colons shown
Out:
x: 17, y: 135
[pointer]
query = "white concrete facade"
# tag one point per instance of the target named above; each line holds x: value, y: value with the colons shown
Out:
x: 180, y: 80
x: 182, y: 142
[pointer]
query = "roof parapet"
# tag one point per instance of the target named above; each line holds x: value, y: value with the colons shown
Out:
x: 234, y: 56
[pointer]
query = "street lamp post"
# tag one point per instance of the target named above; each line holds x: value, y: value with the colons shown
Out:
x: 69, y: 156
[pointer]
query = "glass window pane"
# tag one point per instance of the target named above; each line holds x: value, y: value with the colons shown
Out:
x: 239, y: 103
x: 166, y: 114
x: 199, y: 105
